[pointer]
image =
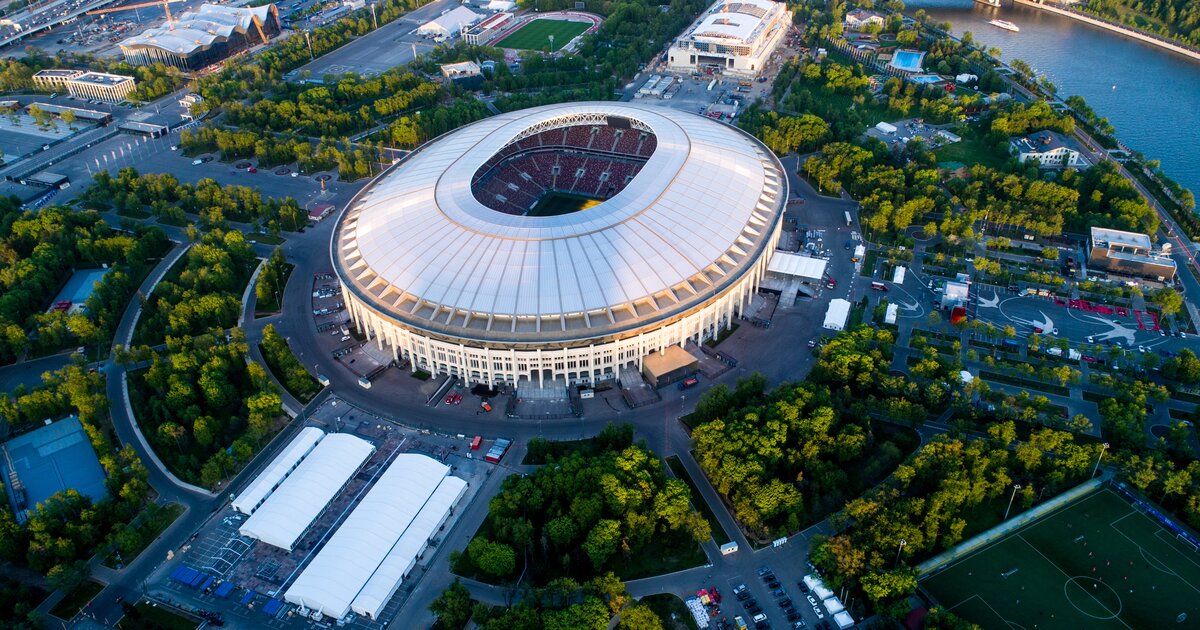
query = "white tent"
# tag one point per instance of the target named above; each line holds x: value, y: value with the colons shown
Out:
x: 893, y: 311
x: 297, y: 502
x: 501, y: 5
x: 821, y: 592
x: 898, y: 274
x: 403, y: 556
x: 833, y: 605
x: 357, y: 550
x: 265, y: 483
x: 449, y: 23
x: 790, y: 264
x: 838, y: 313
x: 843, y: 620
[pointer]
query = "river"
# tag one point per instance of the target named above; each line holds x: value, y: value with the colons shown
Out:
x: 1151, y: 96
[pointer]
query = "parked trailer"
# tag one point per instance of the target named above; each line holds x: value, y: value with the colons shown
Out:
x: 712, y: 84
x: 847, y: 218
x: 498, y: 450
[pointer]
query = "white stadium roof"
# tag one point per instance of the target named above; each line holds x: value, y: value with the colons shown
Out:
x: 419, y: 247
x: 362, y: 546
x: 297, y: 502
x: 279, y: 468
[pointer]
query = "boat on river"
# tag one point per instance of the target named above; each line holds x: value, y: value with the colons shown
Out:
x: 1006, y: 25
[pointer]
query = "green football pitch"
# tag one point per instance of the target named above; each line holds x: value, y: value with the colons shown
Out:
x: 1099, y: 563
x: 536, y: 34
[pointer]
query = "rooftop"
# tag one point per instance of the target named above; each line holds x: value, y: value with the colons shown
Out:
x: 1043, y: 142
x: 201, y: 28
x: 741, y: 20
x: 1105, y: 237
x: 101, y: 78
x: 57, y: 73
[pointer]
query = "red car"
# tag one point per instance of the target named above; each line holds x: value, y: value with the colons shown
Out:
x: 252, y: 169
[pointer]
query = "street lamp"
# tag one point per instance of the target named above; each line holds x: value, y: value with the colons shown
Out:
x: 898, y: 550
x: 1016, y: 486
x: 1103, y: 447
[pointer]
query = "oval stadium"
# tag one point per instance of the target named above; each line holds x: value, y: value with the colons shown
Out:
x: 560, y: 243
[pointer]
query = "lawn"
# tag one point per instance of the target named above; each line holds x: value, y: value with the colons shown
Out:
x: 536, y: 34
x: 76, y: 599
x: 698, y: 502
x: 973, y: 149
x: 262, y: 237
x: 555, y: 203
x: 1100, y: 563
x: 671, y: 610
x: 272, y: 306
x: 146, y: 615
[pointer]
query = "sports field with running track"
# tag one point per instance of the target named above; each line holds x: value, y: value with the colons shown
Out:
x: 1098, y: 563
x: 536, y: 34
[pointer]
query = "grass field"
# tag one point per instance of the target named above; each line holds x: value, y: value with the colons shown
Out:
x: 536, y: 34
x: 555, y: 203
x: 1099, y: 563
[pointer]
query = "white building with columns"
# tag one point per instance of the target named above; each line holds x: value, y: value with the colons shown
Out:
x: 439, y: 264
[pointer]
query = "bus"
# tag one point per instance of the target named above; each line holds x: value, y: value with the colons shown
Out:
x: 878, y: 286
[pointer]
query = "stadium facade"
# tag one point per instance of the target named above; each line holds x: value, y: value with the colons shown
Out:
x: 735, y: 37
x: 464, y: 260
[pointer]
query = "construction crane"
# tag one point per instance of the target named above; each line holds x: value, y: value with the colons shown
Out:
x: 164, y: 3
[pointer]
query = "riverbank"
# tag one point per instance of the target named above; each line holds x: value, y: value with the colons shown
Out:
x: 1114, y: 27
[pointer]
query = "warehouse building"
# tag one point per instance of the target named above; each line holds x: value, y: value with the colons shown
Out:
x: 483, y: 32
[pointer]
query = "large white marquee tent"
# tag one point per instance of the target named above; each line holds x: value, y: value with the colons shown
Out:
x: 288, y: 459
x: 369, y: 556
x: 296, y: 503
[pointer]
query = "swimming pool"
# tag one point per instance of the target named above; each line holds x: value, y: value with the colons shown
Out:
x: 925, y: 78
x: 909, y: 60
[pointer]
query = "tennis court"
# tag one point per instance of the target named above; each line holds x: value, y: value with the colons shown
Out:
x: 1099, y: 563
x: 536, y: 34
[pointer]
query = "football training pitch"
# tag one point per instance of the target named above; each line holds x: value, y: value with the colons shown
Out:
x: 536, y: 34
x: 1098, y: 563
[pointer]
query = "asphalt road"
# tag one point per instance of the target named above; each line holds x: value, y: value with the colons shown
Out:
x: 393, y: 44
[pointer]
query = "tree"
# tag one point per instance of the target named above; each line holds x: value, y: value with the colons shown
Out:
x: 68, y: 117
x: 497, y: 559
x: 454, y: 606
x: 1168, y: 300
x: 609, y: 589
x: 602, y: 541
x: 639, y: 617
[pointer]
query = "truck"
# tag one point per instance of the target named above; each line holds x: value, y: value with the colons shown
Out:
x: 498, y: 450
x: 859, y: 252
x: 878, y: 286
x: 741, y: 623
x: 847, y: 218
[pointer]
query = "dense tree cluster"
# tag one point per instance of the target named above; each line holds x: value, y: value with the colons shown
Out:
x: 39, y: 250
x: 562, y: 604
x: 352, y: 104
x: 17, y: 604
x: 203, y: 293
x: 286, y: 367
x: 204, y: 407
x: 215, y: 204
x: 67, y: 529
x: 1021, y: 119
x: 785, y: 134
x: 786, y: 459
x: 1177, y: 19
x: 930, y: 501
x: 580, y: 515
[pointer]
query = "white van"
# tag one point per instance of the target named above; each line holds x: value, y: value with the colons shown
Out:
x: 323, y: 380
x: 364, y: 383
